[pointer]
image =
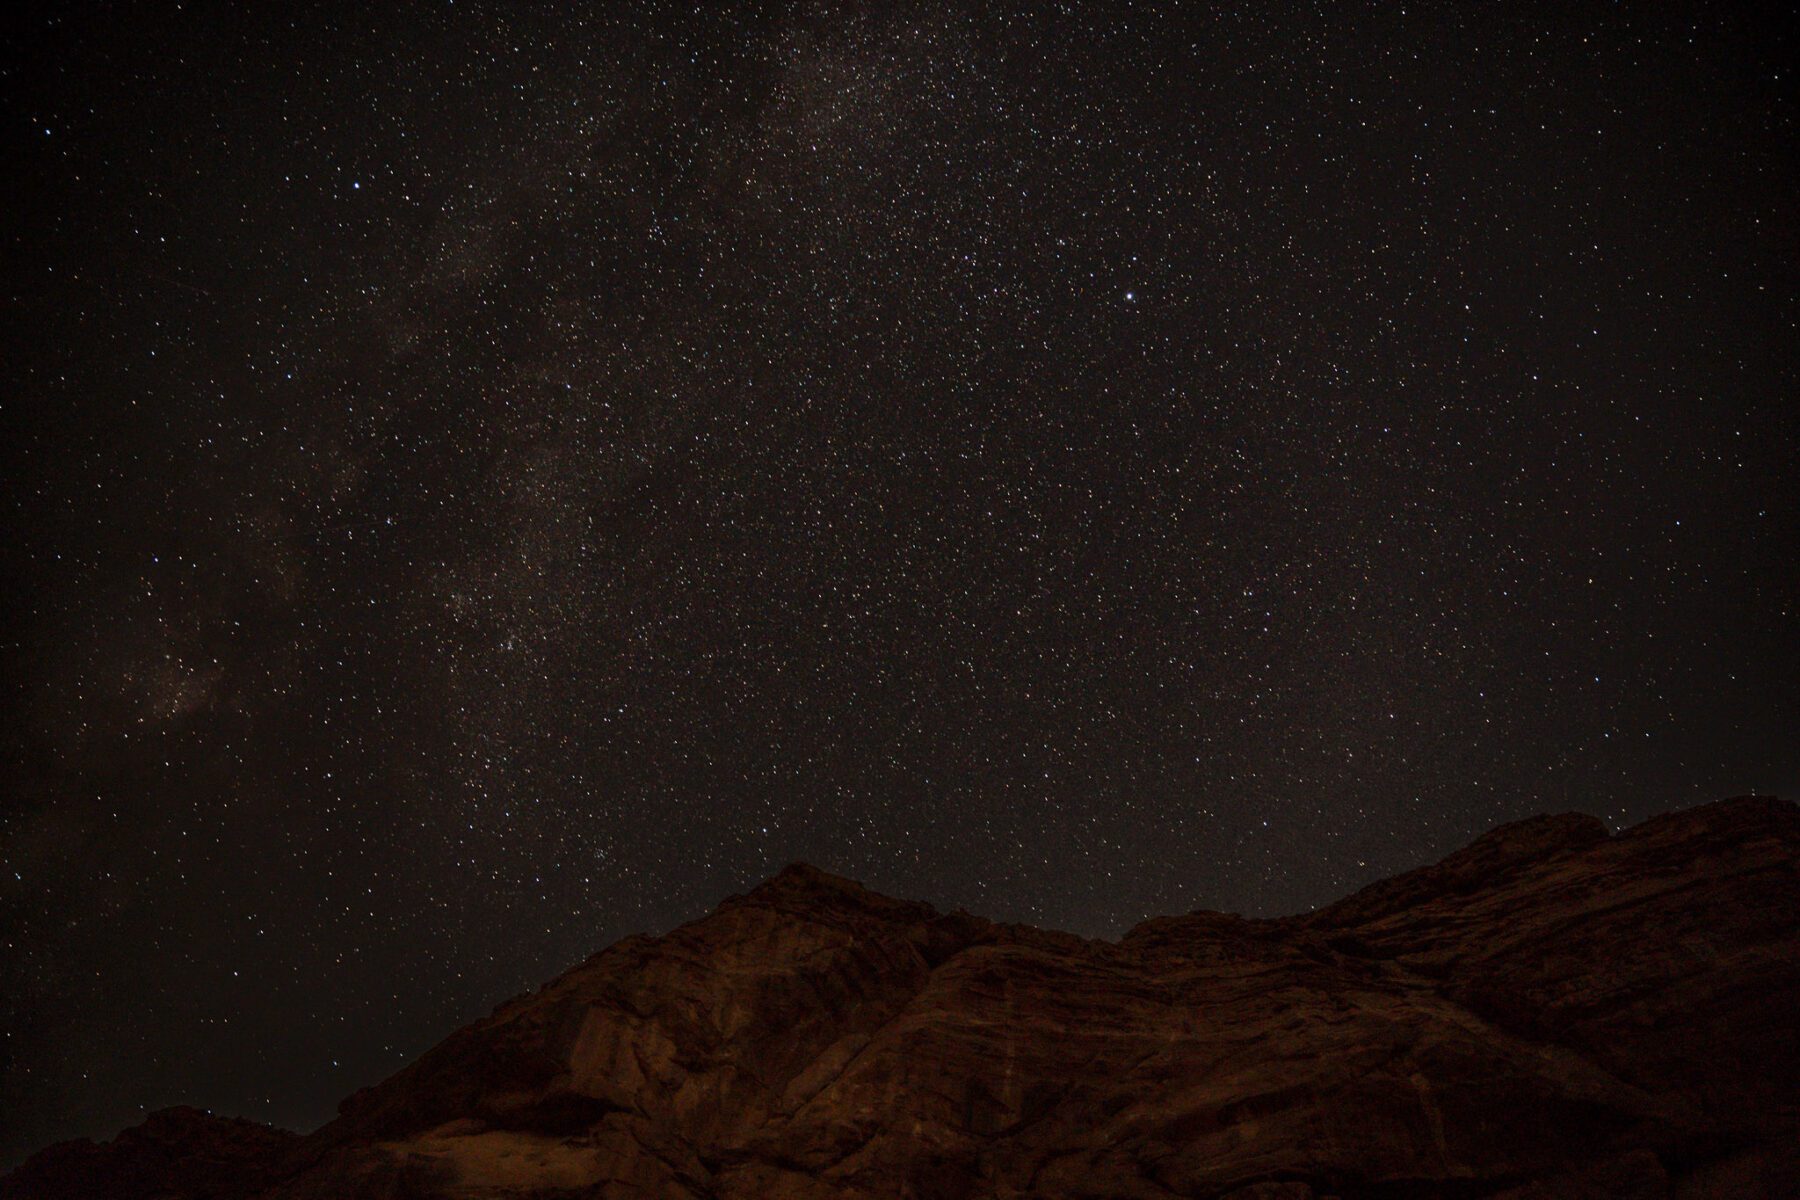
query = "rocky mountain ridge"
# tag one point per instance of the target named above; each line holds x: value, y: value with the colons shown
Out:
x: 1553, y: 1011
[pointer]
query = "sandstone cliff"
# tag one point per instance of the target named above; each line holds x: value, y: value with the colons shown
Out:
x: 1551, y: 1012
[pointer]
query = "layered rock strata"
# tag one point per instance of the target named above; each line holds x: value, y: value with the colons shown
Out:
x: 1551, y: 1012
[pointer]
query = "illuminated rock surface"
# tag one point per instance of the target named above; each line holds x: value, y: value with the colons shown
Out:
x: 1551, y: 1012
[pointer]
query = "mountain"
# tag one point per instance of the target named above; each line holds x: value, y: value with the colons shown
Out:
x: 1553, y: 1011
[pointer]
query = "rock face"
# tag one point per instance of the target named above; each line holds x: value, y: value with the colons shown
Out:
x: 1551, y: 1012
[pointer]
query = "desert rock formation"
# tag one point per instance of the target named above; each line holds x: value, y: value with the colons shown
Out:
x: 1551, y: 1012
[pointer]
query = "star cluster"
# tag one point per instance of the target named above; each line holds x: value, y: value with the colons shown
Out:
x: 486, y: 481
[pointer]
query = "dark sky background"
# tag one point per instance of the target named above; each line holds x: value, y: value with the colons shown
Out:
x: 483, y: 482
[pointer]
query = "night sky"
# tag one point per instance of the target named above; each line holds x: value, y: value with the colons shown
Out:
x: 482, y: 483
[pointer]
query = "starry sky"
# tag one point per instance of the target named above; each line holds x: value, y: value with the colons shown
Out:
x: 486, y: 480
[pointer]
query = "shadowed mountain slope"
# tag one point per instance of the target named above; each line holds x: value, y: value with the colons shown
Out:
x: 1551, y: 1012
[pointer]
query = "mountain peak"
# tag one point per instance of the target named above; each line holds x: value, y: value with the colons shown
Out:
x: 1541, y: 833
x: 1491, y: 860
x: 805, y: 878
x: 803, y: 887
x: 1552, y: 1009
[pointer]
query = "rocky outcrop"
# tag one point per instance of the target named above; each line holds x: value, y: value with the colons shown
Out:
x: 1552, y: 1012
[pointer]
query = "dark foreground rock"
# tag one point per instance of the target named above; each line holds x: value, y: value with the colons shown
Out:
x: 176, y: 1152
x: 1551, y: 1012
